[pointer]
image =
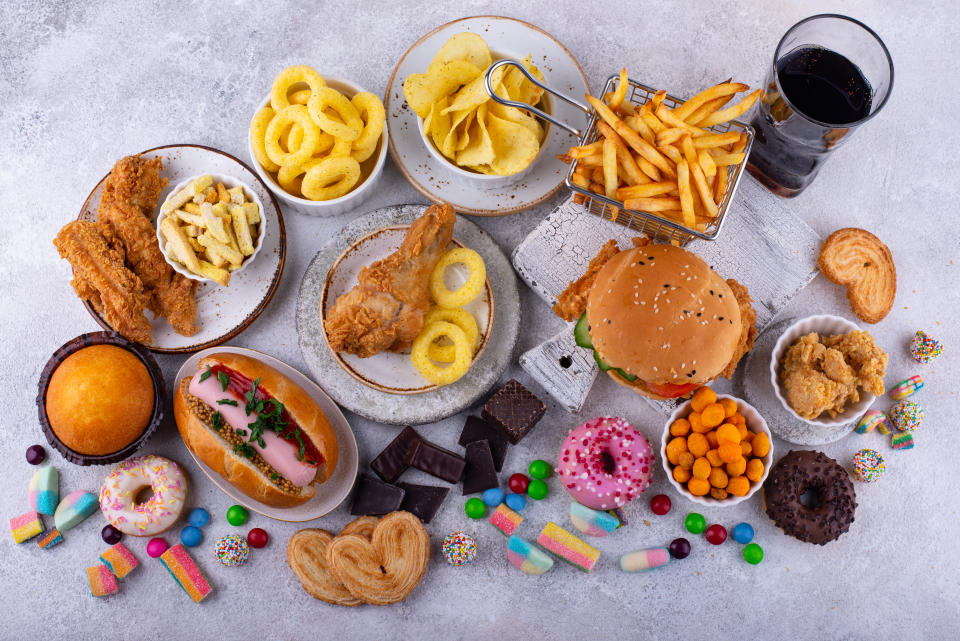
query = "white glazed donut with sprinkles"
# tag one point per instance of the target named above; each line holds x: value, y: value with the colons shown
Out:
x: 605, y: 463
x: 119, y: 492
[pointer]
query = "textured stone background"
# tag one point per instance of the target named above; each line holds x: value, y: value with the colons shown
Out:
x: 82, y: 84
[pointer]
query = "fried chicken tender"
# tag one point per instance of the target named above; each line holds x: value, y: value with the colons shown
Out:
x: 386, y: 308
x: 748, y: 326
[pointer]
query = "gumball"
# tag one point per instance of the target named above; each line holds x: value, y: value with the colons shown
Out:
x: 679, y: 548
x: 695, y: 523
x: 743, y: 533
x: 36, y: 454
x: 110, y: 535
x: 231, y: 550
x: 540, y: 469
x: 518, y: 483
x: 660, y: 504
x: 191, y: 536
x: 156, y: 547
x: 753, y: 554
x: 258, y: 538
x: 475, y: 508
x: 716, y: 534
x: 538, y: 490
x: 493, y: 497
x: 237, y: 515
x: 198, y: 517
x: 516, y: 502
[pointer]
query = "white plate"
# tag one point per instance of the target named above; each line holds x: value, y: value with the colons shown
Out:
x: 506, y: 37
x: 222, y: 312
x: 338, y: 486
x: 394, y: 372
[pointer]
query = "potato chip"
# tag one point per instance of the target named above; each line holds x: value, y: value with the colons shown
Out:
x: 423, y: 89
x: 479, y: 151
x: 463, y: 46
x: 475, y: 93
x: 517, y: 87
x: 460, y: 122
x: 516, y: 115
x: 514, y: 146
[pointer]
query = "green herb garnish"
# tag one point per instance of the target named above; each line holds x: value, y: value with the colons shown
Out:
x: 224, y: 380
x: 218, y: 421
x: 244, y: 450
x: 227, y: 401
x: 206, y: 374
x: 274, y: 476
x: 241, y: 432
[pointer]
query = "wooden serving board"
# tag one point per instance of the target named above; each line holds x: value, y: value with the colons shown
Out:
x: 763, y: 245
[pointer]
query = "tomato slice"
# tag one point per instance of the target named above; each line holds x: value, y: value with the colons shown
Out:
x: 669, y: 390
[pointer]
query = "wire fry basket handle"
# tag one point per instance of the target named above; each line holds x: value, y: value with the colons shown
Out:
x: 520, y: 105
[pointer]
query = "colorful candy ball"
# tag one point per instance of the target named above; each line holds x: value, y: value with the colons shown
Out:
x: 679, y: 548
x: 868, y: 465
x: 538, y: 490
x: 518, y: 483
x: 458, y: 548
x: 753, y: 554
x: 110, y: 535
x: 660, y: 504
x: 743, y: 533
x: 906, y: 415
x: 231, y: 550
x: 156, y: 547
x: 540, y: 469
x: 237, y: 515
x: 475, y: 508
x: 515, y: 502
x: 198, y: 517
x: 258, y: 538
x: 493, y: 497
x: 36, y: 454
x: 923, y: 348
x: 716, y: 534
x: 191, y: 536
x: 695, y: 523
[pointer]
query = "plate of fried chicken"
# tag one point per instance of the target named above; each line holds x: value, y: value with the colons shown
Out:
x: 119, y: 271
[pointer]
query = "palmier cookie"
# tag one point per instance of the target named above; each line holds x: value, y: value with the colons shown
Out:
x: 307, y: 557
x: 388, y: 567
x: 362, y: 525
x: 861, y: 262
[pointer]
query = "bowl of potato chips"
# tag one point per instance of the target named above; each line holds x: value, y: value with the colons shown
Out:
x: 472, y: 136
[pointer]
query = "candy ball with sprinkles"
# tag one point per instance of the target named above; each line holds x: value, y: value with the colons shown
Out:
x: 231, y: 550
x: 868, y: 465
x: 923, y: 348
x: 906, y: 415
x: 459, y: 548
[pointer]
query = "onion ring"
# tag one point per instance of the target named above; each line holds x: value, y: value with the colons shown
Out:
x: 300, y: 97
x: 258, y: 134
x: 373, y: 116
x: 462, y: 319
x: 341, y: 148
x: 311, y: 136
x: 466, y: 292
x: 430, y: 371
x: 362, y: 154
x: 288, y: 174
x: 289, y: 77
x: 292, y: 139
x: 349, y: 126
x: 331, y: 178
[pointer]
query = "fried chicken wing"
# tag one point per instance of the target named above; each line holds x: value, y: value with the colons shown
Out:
x: 386, y: 308
x: 100, y: 276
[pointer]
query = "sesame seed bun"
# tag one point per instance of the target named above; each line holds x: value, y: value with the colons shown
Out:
x: 660, y: 313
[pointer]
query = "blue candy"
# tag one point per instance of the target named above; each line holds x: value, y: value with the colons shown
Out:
x: 191, y: 536
x: 516, y: 502
x: 493, y: 497
x: 743, y: 533
x: 198, y: 517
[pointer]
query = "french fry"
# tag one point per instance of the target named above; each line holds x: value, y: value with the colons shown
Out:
x: 253, y: 213
x: 705, y: 110
x: 210, y: 195
x: 620, y: 109
x: 686, y: 197
x: 580, y: 180
x: 706, y: 163
x: 623, y: 154
x: 222, y: 193
x: 657, y: 99
x: 647, y: 190
x: 667, y: 118
x: 190, y: 219
x: 670, y: 136
x: 720, y: 185
x: 689, y: 153
x: 586, y: 150
x: 178, y: 243
x: 214, y: 273
x: 241, y: 229
x: 196, y: 186
x: 631, y: 137
x: 616, y: 98
x: 640, y: 126
x: 596, y: 160
x: 731, y: 112
x: 671, y: 152
x: 740, y: 145
x: 610, y: 177
x: 596, y: 174
x: 649, y: 170
x: 706, y: 197
x: 237, y: 196
x: 215, y: 247
x: 652, y: 204
x: 191, y: 208
x: 197, y: 247
x: 725, y: 160
x: 715, y: 140
x: 213, y: 223
x: 191, y: 230
x: 717, y: 91
x: 595, y: 187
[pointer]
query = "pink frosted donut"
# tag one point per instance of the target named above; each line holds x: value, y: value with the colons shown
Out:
x: 605, y: 463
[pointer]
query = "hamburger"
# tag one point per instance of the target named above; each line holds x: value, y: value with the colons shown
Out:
x: 658, y: 319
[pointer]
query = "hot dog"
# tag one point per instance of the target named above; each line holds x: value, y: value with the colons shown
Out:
x: 256, y: 428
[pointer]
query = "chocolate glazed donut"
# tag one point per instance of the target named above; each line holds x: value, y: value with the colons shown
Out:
x: 810, y: 497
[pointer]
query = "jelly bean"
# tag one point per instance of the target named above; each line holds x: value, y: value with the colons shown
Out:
x: 538, y: 490
x: 237, y: 515
x: 540, y: 469
x: 36, y: 454
x: 660, y: 504
x: 198, y: 517
x: 191, y: 536
x: 643, y: 560
x: 475, y: 508
x: 679, y: 548
x: 493, y: 497
x: 258, y: 538
x: 743, y: 533
x: 156, y: 547
x: 515, y: 502
x: 518, y: 483
x: 110, y: 535
x: 695, y: 523
x: 716, y: 534
x: 753, y: 554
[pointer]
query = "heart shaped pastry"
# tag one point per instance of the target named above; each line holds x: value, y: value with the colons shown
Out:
x: 386, y: 568
x: 860, y: 261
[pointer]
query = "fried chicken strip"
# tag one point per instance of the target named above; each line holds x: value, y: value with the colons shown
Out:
x: 386, y: 308
x: 748, y: 326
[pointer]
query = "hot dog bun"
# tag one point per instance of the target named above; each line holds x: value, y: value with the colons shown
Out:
x: 242, y: 473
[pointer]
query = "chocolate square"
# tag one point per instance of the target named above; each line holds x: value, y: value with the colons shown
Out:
x: 422, y: 501
x: 477, y: 429
x: 436, y: 461
x: 513, y: 409
x: 480, y: 474
x: 374, y: 497
x: 395, y: 457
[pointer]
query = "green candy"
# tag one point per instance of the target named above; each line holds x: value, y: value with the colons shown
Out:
x: 237, y: 515
x: 538, y: 490
x: 475, y: 508
x: 539, y: 469
x: 752, y: 553
x: 695, y: 523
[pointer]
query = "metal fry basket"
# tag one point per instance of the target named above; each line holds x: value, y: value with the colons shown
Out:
x: 653, y: 225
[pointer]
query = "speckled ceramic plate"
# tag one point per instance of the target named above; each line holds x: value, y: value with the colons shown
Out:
x: 434, y: 405
x: 222, y: 312
x: 338, y: 486
x: 394, y: 372
x: 506, y: 37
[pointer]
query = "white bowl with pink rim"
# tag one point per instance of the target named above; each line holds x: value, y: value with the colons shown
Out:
x: 755, y: 423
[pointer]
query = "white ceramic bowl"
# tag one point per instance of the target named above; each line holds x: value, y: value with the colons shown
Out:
x: 229, y: 182
x: 755, y: 423
x: 370, y: 169
x: 822, y: 325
